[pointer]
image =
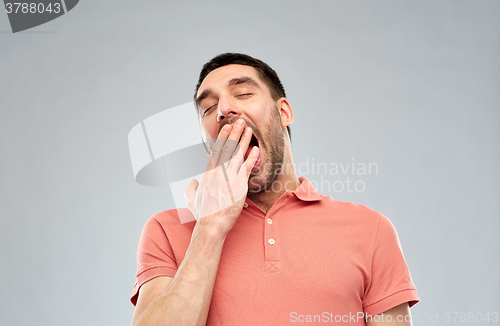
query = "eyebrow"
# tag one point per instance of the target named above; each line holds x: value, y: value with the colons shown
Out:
x: 235, y: 81
x: 243, y: 80
x: 202, y: 96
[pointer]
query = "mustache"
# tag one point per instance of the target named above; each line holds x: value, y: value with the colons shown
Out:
x: 256, y: 131
x: 232, y: 120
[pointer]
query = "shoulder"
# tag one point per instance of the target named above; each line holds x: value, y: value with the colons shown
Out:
x: 171, y: 216
x: 167, y: 222
x: 349, y: 210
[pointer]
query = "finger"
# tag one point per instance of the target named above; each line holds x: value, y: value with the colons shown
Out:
x: 239, y: 155
x: 231, y: 145
x: 190, y: 193
x: 217, y: 149
x: 250, y: 161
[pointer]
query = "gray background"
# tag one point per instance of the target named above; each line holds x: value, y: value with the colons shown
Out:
x: 413, y: 86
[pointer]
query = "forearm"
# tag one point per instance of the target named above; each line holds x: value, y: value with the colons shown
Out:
x: 187, y: 298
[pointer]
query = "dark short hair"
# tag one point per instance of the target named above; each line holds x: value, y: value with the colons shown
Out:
x: 266, y: 73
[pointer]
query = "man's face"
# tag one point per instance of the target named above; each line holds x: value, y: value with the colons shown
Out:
x: 236, y: 91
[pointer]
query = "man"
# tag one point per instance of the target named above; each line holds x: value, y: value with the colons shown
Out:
x: 266, y: 248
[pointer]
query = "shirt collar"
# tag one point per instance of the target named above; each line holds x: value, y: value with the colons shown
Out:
x: 306, y: 191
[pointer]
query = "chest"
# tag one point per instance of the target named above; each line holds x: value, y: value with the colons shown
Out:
x: 320, y: 261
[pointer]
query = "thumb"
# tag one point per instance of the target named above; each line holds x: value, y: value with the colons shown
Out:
x: 190, y: 192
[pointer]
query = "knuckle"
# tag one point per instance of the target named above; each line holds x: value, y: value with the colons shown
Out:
x: 227, y: 149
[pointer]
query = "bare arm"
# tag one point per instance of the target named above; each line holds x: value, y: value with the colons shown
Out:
x: 185, y: 299
x: 397, y: 316
x: 148, y: 292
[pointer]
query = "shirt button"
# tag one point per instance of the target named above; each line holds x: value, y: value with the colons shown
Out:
x: 271, y: 241
x: 269, y: 221
x: 245, y: 205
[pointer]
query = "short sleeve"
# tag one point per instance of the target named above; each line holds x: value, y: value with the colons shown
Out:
x: 390, y: 282
x: 155, y: 256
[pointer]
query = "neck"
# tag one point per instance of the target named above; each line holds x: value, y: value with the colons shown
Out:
x: 286, y: 180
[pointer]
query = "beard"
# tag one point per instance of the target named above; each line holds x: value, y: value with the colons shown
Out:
x: 272, y: 146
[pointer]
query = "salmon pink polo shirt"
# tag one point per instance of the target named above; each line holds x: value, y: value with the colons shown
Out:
x: 309, y: 259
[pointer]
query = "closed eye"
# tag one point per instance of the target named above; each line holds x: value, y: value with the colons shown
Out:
x: 244, y: 95
x: 205, y: 112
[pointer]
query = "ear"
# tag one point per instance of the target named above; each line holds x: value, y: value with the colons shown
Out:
x: 286, y: 112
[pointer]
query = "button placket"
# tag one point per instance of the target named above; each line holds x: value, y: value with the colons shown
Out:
x: 271, y: 239
x: 271, y: 247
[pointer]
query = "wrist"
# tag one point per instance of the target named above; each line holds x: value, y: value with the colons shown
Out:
x: 209, y: 231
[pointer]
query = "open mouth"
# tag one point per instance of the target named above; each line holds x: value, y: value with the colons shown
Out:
x: 254, y: 142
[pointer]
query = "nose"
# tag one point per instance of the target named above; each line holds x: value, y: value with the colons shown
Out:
x: 226, y: 109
